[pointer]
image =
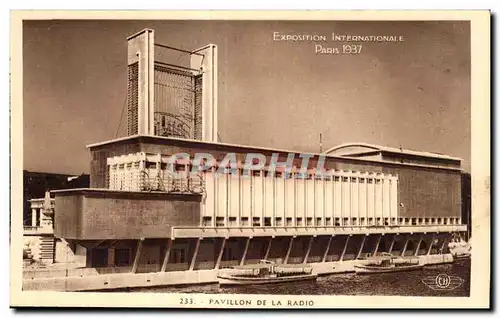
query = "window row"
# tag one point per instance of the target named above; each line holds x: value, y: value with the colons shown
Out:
x: 328, y: 221
x: 243, y: 172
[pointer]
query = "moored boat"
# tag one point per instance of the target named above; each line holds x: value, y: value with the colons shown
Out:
x: 459, y: 248
x: 389, y: 265
x: 265, y: 272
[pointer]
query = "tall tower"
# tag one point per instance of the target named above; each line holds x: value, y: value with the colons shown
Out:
x: 140, y: 93
x: 170, y: 100
x: 207, y: 62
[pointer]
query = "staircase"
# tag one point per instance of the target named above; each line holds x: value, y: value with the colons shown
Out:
x: 46, y: 249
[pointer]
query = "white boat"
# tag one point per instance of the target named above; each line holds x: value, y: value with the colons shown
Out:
x: 389, y: 265
x: 460, y: 248
x: 265, y: 272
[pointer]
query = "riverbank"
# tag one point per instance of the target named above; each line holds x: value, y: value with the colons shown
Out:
x: 87, y: 280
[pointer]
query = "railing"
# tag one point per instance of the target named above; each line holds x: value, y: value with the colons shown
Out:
x: 210, y: 231
x: 33, y: 230
x: 172, y: 184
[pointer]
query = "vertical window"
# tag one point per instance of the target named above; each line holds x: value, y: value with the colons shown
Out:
x: 244, y: 221
x: 99, y: 257
x: 267, y: 221
x: 178, y: 255
x: 337, y: 221
x: 289, y: 221
x: 318, y: 221
x: 219, y: 221
x: 207, y: 221
x: 232, y: 221
x: 328, y: 221
x: 299, y: 222
x: 256, y: 221
x: 279, y: 221
x: 122, y: 256
x: 309, y: 221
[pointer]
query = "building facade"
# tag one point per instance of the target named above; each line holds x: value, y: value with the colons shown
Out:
x: 170, y: 197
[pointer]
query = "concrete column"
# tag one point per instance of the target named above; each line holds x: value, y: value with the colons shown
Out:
x: 324, y: 199
x: 240, y: 195
x: 289, y: 250
x: 418, y: 247
x: 345, y: 249
x: 221, y: 251
x: 141, y: 51
x: 294, y: 176
x: 404, y: 248
x: 33, y: 217
x: 341, y: 200
x: 361, y: 247
x: 441, y: 249
x: 430, y: 245
x: 314, y: 199
x: 195, y: 253
x: 308, y: 249
x: 377, y: 245
x: 268, y: 248
x: 206, y: 60
x: 137, y: 255
x: 392, y: 244
x: 327, y: 249
x: 382, y: 201
x: 167, y: 255
x: 242, y: 262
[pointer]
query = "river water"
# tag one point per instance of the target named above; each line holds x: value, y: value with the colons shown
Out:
x: 399, y: 284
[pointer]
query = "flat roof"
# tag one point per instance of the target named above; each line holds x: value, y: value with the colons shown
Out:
x: 267, y: 149
x: 394, y: 150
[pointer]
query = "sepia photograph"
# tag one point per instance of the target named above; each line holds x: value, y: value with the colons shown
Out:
x: 257, y: 161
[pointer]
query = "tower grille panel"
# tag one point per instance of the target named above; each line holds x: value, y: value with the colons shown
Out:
x: 175, y: 103
x: 133, y: 99
x: 198, y: 116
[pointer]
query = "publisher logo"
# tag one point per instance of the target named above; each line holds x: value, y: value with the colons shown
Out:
x: 443, y: 282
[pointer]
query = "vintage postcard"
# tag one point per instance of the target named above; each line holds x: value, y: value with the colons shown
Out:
x: 251, y: 159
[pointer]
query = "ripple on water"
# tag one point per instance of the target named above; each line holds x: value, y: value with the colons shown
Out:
x: 400, y: 284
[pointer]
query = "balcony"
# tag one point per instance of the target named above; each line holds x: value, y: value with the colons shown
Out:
x: 186, y: 232
x: 37, y: 230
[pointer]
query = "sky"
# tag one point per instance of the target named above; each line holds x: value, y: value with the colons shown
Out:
x: 413, y: 94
